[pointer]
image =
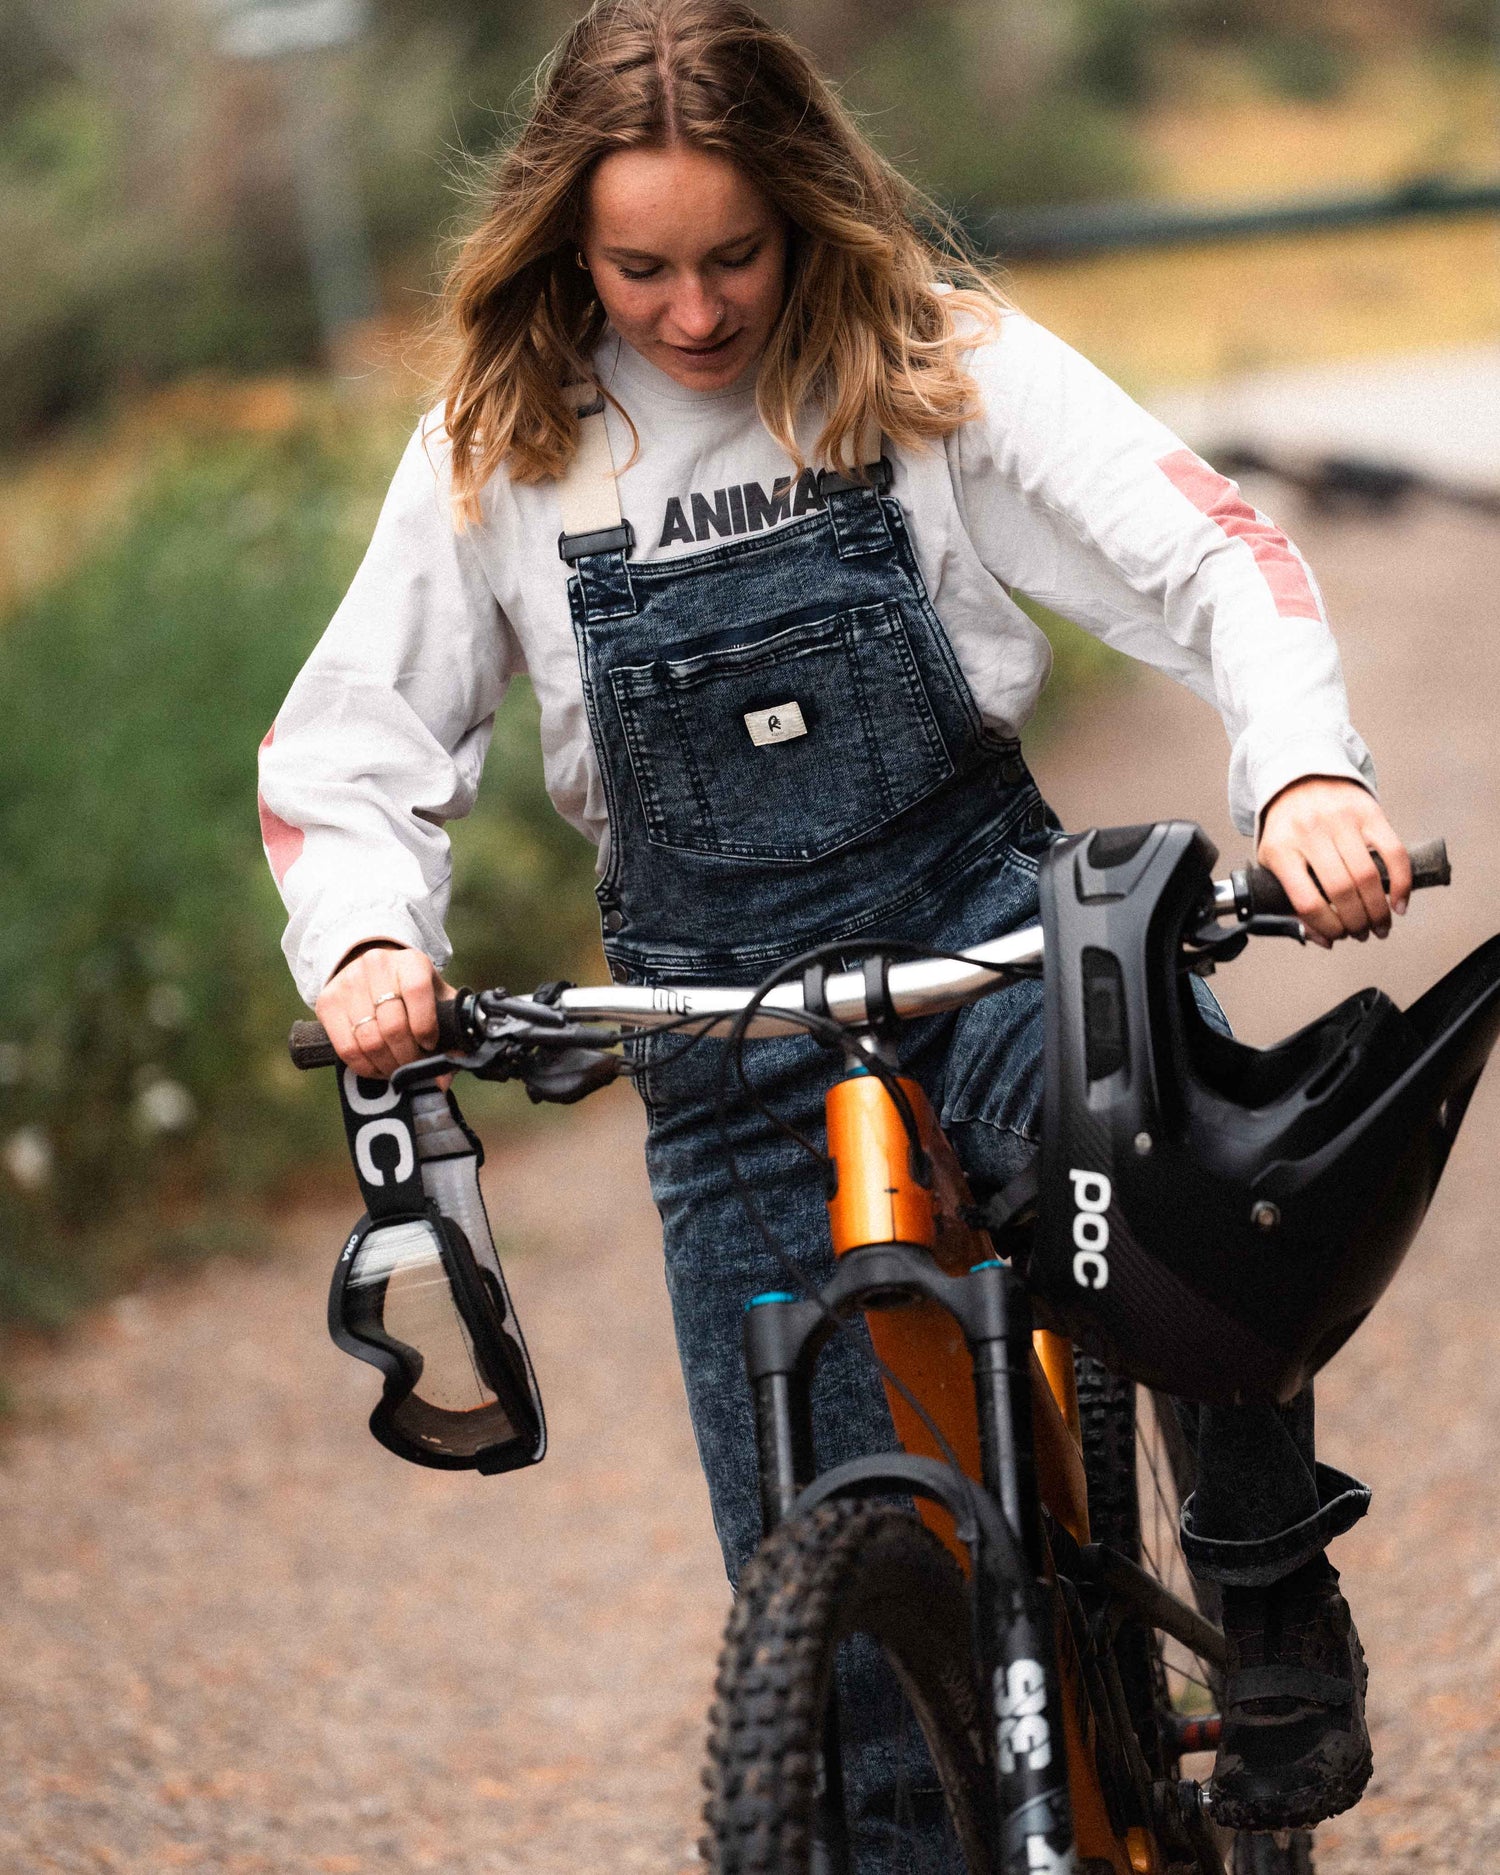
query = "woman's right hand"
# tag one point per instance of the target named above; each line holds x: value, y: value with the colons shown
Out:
x: 380, y: 1009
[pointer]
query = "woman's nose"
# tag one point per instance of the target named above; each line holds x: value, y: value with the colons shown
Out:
x: 696, y: 312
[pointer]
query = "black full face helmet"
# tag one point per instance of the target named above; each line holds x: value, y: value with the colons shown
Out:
x: 1216, y: 1220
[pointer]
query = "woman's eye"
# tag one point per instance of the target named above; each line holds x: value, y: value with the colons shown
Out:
x: 741, y: 260
x: 640, y: 273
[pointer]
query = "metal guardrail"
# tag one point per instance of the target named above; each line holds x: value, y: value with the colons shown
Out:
x: 1337, y: 483
x: 1069, y: 233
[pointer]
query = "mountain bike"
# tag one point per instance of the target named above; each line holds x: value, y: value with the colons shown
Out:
x: 1016, y: 1560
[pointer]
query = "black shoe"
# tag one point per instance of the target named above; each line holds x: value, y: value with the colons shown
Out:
x: 1294, y: 1748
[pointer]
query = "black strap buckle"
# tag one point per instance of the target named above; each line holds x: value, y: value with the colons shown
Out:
x: 834, y: 482
x: 619, y: 539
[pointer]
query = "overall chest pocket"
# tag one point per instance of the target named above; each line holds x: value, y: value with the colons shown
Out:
x: 786, y: 746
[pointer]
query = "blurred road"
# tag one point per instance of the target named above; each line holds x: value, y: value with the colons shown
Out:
x: 238, y: 1636
x: 1436, y: 414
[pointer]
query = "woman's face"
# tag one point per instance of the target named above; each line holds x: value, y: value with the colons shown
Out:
x: 688, y: 259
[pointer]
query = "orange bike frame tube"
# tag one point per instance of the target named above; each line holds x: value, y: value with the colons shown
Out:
x: 882, y: 1192
x: 877, y: 1196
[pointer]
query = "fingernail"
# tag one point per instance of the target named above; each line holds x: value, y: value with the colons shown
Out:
x: 1401, y: 905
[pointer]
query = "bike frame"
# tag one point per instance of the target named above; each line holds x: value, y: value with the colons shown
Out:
x: 953, y: 1324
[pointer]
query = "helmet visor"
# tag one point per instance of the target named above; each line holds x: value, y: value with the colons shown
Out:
x: 410, y: 1298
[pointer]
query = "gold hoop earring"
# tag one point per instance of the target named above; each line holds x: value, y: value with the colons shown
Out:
x: 581, y: 261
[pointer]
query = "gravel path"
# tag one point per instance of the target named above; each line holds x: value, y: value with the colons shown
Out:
x: 237, y: 1636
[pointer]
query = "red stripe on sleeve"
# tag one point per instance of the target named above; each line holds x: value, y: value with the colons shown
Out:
x: 1215, y: 496
x: 283, y: 842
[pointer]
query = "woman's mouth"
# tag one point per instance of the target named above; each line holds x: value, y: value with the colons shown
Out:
x: 716, y: 350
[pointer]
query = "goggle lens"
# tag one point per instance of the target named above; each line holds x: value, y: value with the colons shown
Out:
x: 414, y: 1299
x: 416, y: 1307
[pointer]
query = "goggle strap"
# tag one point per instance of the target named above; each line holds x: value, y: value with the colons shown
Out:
x: 381, y: 1129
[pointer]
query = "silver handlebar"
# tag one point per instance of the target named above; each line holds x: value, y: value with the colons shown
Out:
x: 924, y: 987
x: 920, y: 988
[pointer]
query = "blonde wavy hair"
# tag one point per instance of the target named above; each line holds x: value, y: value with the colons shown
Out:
x: 877, y: 277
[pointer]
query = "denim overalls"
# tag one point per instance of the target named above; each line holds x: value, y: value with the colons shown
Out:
x: 792, y: 757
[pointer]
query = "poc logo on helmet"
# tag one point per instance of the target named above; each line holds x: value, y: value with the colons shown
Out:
x: 1091, y: 1195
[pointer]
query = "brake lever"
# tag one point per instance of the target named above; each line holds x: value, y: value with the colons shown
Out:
x: 498, y: 1057
x: 1215, y: 942
x: 576, y: 1035
x: 521, y: 1009
x: 1276, y: 924
x: 555, y: 1064
x: 480, y: 1062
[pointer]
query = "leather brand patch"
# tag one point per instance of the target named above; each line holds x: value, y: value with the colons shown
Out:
x: 780, y: 724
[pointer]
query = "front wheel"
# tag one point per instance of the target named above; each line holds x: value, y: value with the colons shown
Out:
x: 821, y: 1592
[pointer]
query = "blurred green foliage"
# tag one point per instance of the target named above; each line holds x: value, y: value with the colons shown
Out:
x: 147, y: 201
x: 149, y: 180
x: 142, y: 993
x: 1079, y: 663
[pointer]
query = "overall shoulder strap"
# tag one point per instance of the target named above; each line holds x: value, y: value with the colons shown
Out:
x: 877, y: 465
x: 855, y: 510
x: 587, y: 492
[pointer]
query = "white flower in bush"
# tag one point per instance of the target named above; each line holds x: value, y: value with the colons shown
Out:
x: 165, y: 1107
x: 27, y: 1156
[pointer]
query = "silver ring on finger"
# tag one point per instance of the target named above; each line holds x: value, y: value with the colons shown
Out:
x: 364, y: 1019
x: 391, y: 996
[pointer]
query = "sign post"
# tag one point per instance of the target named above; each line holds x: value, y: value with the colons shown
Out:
x: 289, y: 34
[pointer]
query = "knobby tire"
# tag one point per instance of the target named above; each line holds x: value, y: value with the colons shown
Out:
x: 843, y: 1569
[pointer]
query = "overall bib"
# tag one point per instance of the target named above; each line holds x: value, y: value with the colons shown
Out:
x: 792, y: 757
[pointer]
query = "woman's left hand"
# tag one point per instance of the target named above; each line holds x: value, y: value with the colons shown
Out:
x: 1317, y: 836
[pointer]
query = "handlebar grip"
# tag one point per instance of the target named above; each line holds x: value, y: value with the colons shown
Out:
x: 309, y: 1046
x: 1261, y: 894
x: 1429, y: 863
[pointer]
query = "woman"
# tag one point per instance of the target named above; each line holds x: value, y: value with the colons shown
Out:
x: 798, y: 456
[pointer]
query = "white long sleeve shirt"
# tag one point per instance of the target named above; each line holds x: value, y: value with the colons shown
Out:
x: 1061, y: 488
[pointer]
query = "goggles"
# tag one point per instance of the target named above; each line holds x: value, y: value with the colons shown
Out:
x: 410, y: 1297
x: 421, y: 1296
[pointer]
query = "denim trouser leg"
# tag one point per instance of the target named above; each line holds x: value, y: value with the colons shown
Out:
x: 1263, y: 1505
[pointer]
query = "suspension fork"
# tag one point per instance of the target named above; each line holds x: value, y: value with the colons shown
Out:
x: 1014, y: 1634
x: 1013, y: 1423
